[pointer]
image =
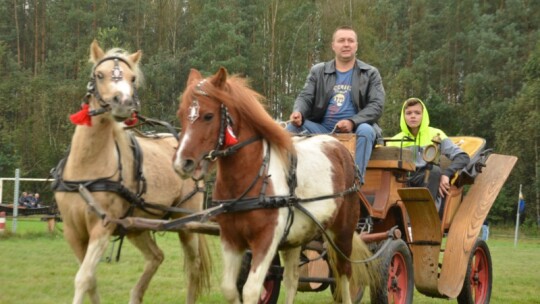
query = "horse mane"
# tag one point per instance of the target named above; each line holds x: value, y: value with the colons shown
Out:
x: 238, y: 96
x: 118, y: 52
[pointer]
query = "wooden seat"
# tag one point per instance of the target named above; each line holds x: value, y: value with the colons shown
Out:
x: 382, y: 157
x: 385, y: 172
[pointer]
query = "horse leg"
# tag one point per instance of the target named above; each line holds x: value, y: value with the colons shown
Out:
x: 345, y: 286
x: 196, y: 264
x: 342, y: 267
x: 260, y: 264
x: 153, y: 257
x: 85, y: 280
x: 232, y: 260
x: 291, y: 274
x: 78, y: 243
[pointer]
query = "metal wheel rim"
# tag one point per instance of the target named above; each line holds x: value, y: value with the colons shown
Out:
x: 479, y: 277
x: 397, y: 279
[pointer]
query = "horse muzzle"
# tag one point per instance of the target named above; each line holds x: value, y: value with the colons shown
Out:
x: 189, y: 168
x: 123, y: 108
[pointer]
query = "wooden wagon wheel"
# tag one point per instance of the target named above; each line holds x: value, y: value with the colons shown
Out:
x: 478, y: 279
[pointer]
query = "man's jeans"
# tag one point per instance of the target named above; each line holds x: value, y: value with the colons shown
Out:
x: 365, y: 140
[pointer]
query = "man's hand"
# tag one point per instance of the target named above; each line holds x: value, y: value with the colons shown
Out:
x: 344, y: 126
x: 296, y: 119
x: 444, y: 186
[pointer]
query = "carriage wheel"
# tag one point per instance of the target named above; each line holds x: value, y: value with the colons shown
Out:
x: 478, y: 279
x: 396, y: 283
x: 272, y: 282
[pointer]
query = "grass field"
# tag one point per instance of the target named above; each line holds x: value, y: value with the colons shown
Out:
x: 39, y: 267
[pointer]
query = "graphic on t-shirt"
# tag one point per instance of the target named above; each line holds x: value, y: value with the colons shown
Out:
x: 340, y: 105
x: 341, y: 92
x: 339, y: 98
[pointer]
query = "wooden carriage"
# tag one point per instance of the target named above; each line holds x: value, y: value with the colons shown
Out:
x: 460, y: 266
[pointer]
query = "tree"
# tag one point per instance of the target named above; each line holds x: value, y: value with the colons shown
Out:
x: 516, y: 129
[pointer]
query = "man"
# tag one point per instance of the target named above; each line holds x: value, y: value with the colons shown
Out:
x: 343, y: 95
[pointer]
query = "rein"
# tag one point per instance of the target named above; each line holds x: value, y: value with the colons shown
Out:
x: 214, y: 154
x: 154, y: 122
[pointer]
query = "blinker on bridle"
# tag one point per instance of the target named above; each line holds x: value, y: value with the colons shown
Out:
x: 117, y: 75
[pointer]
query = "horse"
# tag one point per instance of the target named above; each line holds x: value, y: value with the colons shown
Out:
x: 119, y: 169
x: 276, y: 192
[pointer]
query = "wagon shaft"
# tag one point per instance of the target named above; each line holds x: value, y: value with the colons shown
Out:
x: 136, y: 223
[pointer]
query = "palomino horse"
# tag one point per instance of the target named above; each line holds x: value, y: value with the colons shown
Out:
x: 274, y: 190
x: 116, y: 166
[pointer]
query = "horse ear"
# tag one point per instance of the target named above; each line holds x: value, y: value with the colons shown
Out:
x: 220, y: 78
x: 194, y: 75
x: 96, y: 53
x: 135, y: 57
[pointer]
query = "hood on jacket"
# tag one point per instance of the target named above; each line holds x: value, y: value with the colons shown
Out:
x: 425, y: 133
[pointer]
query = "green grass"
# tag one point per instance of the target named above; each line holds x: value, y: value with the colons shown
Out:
x: 39, y: 267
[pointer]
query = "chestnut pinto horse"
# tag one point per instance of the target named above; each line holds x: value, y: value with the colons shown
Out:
x: 265, y: 182
x: 101, y: 158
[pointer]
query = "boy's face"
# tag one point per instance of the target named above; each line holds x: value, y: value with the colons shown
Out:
x: 413, y: 115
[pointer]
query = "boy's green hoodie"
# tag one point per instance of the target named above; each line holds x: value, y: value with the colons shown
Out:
x: 424, y: 137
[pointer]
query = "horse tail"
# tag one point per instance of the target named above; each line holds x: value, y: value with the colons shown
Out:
x: 204, y: 269
x: 362, y: 274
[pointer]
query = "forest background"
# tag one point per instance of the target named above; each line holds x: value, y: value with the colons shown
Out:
x: 475, y: 63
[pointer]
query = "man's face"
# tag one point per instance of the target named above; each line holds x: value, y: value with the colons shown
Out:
x: 345, y: 45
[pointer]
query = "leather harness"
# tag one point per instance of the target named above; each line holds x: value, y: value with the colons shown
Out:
x: 105, y: 184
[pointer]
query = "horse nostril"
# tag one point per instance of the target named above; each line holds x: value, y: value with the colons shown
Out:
x: 188, y: 165
x: 116, y: 99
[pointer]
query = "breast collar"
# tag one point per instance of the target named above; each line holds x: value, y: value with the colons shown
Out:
x: 106, y: 184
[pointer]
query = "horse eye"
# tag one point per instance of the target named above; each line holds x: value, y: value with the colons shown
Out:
x: 208, y: 117
x: 100, y: 75
x: 133, y: 79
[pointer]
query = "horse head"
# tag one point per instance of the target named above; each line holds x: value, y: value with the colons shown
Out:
x: 221, y: 115
x: 205, y: 121
x: 114, y: 81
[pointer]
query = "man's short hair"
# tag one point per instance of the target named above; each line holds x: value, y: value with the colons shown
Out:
x: 344, y: 27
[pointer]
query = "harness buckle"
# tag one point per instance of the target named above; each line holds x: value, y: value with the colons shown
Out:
x: 211, y: 156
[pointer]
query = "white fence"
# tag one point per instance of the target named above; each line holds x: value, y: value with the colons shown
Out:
x: 2, y: 179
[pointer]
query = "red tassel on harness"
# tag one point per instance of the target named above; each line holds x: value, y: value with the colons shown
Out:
x: 230, y: 138
x: 82, y: 117
x: 131, y: 121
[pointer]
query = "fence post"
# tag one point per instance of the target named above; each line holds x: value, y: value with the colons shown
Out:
x: 15, y: 201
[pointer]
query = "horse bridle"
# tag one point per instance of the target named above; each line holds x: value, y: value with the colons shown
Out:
x: 92, y: 89
x: 225, y: 121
